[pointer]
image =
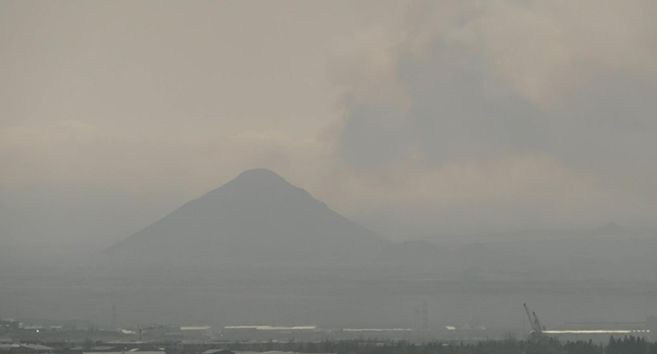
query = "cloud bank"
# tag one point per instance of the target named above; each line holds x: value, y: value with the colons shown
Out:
x: 546, y: 106
x: 417, y: 117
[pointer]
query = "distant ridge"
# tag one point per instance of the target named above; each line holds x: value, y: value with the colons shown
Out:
x: 256, y: 218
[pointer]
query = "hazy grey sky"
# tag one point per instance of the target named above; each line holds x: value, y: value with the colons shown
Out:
x: 414, y: 117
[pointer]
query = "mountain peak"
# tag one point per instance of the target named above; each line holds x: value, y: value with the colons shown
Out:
x: 258, y: 217
x: 259, y: 174
x: 257, y: 180
x: 259, y: 171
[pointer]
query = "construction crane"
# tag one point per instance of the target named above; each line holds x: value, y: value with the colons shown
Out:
x: 535, y: 323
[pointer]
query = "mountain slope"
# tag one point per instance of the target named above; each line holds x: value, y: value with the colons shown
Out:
x: 257, y: 218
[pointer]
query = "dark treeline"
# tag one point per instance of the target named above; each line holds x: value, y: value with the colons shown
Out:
x: 627, y: 345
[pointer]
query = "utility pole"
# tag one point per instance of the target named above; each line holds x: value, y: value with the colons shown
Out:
x: 114, y: 324
x: 425, y: 316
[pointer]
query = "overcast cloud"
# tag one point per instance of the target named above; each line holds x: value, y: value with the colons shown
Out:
x: 414, y: 117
